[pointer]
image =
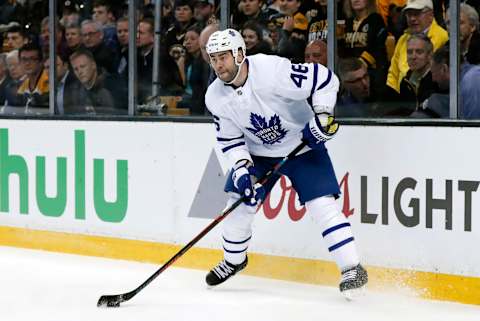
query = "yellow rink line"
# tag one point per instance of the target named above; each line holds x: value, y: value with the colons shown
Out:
x: 424, y: 284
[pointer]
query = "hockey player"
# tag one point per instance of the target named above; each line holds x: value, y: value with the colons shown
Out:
x: 263, y: 107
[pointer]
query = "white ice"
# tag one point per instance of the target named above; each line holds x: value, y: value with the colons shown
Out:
x: 44, y: 286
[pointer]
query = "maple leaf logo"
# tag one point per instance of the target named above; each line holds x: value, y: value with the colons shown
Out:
x: 269, y: 133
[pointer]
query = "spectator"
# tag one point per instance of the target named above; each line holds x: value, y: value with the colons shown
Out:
x: 92, y: 36
x: 168, y: 18
x: 17, y: 75
x: 33, y: 91
x: 122, y: 35
x: 292, y: 40
x: 250, y: 10
x: 73, y: 38
x: 396, y: 20
x: 70, y: 14
x: 67, y: 84
x: 183, y: 20
x: 253, y: 36
x: 469, y: 89
x: 195, y: 73
x: 170, y: 80
x: 420, y: 19
x: 13, y: 11
x: 356, y: 98
x: 317, y: 26
x: 145, y: 39
x: 16, y: 38
x: 468, y: 33
x: 102, y: 13
x: 45, y: 38
x: 274, y: 28
x: 204, y: 35
x: 316, y: 52
x: 316, y: 13
x: 365, y: 35
x: 384, y: 7
x: 4, y: 78
x: 439, y: 7
x: 100, y: 92
x: 417, y: 85
x: 203, y: 11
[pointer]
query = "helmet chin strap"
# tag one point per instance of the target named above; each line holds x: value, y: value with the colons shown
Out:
x: 239, y: 65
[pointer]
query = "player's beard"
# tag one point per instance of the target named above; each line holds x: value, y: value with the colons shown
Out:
x: 231, y: 75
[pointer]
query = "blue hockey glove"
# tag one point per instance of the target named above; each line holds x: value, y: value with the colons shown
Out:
x: 321, y: 128
x: 244, y: 181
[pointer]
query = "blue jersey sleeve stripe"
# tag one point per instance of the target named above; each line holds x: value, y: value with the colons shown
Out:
x: 329, y: 77
x: 334, y: 228
x: 232, y: 146
x: 315, y: 78
x: 222, y: 139
x: 340, y: 244
x: 234, y: 242
x: 235, y: 252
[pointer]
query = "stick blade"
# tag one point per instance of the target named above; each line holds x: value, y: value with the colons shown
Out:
x: 110, y: 301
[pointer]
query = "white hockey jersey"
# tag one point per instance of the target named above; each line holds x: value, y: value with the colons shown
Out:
x: 266, y: 115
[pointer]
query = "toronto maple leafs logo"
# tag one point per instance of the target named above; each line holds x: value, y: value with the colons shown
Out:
x: 271, y: 132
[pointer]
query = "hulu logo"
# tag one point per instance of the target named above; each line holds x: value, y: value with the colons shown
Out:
x: 113, y: 212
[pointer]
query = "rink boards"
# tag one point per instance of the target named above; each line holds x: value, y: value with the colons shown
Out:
x: 140, y: 190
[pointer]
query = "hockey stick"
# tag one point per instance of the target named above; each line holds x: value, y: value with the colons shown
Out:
x: 115, y: 300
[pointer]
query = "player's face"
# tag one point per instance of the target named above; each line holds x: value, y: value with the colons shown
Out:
x: 224, y: 65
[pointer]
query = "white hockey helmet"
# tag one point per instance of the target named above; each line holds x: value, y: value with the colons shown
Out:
x: 228, y: 39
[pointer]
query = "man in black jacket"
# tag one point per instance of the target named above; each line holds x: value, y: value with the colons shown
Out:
x: 101, y: 92
x: 92, y: 35
x: 417, y: 85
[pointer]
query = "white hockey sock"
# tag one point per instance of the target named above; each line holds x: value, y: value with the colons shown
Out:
x: 237, y: 232
x: 336, y: 231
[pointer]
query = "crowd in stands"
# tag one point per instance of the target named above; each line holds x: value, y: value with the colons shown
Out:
x: 393, y: 55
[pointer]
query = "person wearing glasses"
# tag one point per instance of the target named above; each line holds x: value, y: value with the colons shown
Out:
x: 356, y: 98
x: 33, y: 92
x: 92, y: 37
x: 420, y: 19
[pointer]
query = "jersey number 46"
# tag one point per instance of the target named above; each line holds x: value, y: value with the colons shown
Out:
x: 298, y: 74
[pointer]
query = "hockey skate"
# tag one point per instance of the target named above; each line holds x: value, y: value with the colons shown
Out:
x: 353, y: 280
x: 223, y: 271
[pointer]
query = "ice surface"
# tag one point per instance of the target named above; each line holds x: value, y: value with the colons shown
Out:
x: 44, y: 286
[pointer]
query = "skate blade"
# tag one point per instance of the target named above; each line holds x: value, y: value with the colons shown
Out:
x: 354, y: 294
